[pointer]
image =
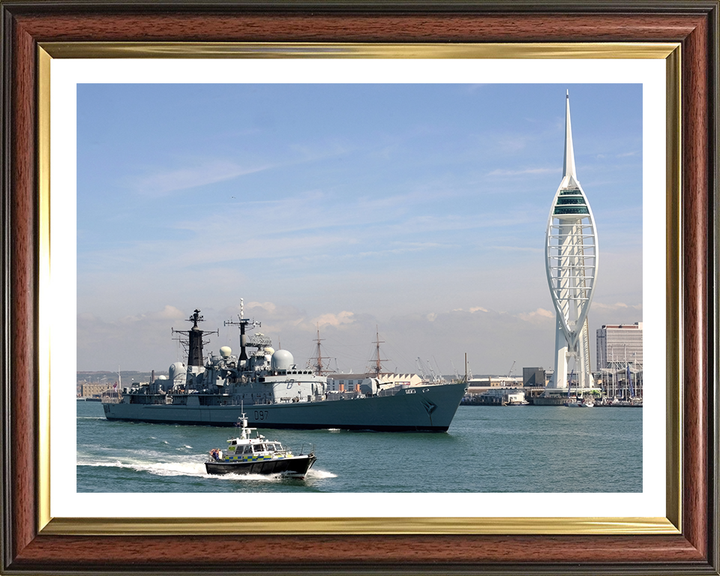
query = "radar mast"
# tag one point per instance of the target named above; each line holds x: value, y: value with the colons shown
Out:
x: 243, y: 323
x: 195, y: 340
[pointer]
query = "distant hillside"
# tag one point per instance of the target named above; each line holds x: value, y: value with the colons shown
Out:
x: 128, y: 376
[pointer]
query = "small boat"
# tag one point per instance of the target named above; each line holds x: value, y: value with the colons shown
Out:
x: 254, y: 454
x: 579, y: 403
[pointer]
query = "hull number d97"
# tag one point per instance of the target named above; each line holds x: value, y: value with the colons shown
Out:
x: 261, y: 414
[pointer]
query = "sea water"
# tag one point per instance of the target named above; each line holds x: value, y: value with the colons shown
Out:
x: 486, y: 449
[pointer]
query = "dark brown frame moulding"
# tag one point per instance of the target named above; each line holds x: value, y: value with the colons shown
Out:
x: 694, y: 549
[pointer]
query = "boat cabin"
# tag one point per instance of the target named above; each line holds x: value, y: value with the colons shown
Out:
x: 254, y: 448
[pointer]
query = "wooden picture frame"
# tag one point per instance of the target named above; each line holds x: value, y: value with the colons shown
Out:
x: 31, y: 544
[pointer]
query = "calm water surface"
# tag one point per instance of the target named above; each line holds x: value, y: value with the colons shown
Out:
x: 487, y: 449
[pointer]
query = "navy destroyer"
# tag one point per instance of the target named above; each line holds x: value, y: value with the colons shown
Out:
x: 277, y: 394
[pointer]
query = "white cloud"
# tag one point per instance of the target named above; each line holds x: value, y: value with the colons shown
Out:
x: 267, y: 306
x: 209, y: 172
x: 616, y: 306
x: 539, y: 315
x: 524, y: 172
x: 492, y: 339
x: 330, y: 319
x: 167, y: 313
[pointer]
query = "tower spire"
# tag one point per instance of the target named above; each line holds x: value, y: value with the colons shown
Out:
x: 569, y: 159
x: 571, y: 260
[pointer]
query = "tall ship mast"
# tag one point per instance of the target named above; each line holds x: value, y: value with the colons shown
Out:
x: 319, y: 365
x: 377, y: 359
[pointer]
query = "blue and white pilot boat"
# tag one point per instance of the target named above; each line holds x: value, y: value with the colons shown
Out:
x: 255, y: 454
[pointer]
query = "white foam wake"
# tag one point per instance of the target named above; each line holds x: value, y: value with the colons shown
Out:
x: 316, y: 474
x: 195, y: 468
x: 157, y: 468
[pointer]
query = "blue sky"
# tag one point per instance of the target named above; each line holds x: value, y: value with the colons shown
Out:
x: 419, y: 209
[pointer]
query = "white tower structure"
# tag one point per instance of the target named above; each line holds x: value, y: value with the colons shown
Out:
x: 571, y: 261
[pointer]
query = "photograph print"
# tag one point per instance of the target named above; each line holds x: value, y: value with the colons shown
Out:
x: 391, y: 288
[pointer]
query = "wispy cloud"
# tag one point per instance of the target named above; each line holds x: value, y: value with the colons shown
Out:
x: 539, y: 315
x: 167, y: 313
x: 165, y: 182
x: 330, y: 319
x: 203, y: 172
x: 616, y: 306
x: 524, y: 171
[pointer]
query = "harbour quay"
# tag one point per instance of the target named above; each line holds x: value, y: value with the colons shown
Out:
x: 611, y: 388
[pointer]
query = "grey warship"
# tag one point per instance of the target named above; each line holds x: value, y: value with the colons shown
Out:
x: 277, y: 394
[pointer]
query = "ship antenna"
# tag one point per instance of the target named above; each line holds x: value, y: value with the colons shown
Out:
x: 195, y: 339
x: 242, y: 322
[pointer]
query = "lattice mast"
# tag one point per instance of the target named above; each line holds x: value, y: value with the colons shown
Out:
x: 244, y: 324
x: 571, y: 262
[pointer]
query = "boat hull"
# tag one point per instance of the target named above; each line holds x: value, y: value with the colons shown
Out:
x: 417, y: 409
x: 295, y: 466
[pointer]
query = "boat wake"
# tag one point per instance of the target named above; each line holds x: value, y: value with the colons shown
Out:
x: 194, y: 469
x: 157, y: 468
x: 312, y: 474
x: 315, y: 474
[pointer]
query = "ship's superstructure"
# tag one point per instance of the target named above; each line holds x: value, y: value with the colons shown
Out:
x: 571, y: 263
x: 277, y: 394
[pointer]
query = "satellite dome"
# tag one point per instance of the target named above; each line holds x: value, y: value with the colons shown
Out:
x: 225, y: 351
x: 177, y: 369
x: 281, y: 360
x: 269, y: 350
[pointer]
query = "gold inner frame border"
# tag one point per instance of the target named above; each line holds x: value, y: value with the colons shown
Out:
x: 671, y: 524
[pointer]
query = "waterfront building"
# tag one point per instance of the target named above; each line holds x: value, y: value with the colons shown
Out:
x: 619, y: 343
x: 90, y: 389
x: 534, y: 377
x: 369, y: 382
x: 571, y: 263
x: 499, y: 397
x: 620, y: 359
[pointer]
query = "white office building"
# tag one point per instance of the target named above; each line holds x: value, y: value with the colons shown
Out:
x: 619, y: 345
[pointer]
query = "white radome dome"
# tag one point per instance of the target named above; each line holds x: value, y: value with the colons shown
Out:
x: 282, y: 360
x: 225, y: 351
x: 176, y: 369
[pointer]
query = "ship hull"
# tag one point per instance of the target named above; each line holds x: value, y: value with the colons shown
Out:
x: 417, y: 409
x: 295, y: 466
